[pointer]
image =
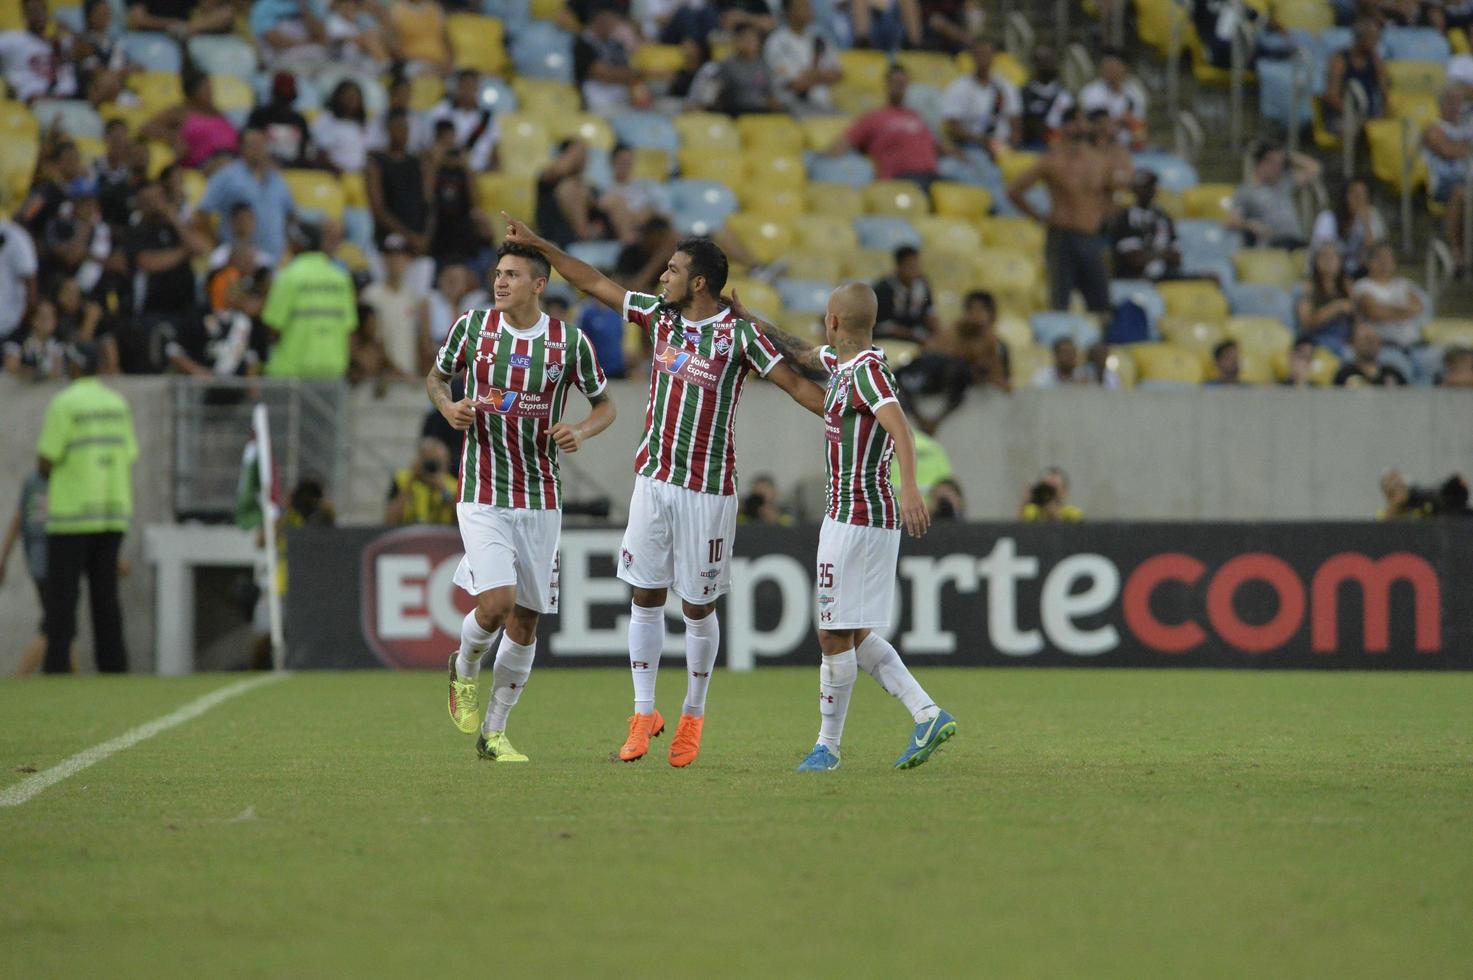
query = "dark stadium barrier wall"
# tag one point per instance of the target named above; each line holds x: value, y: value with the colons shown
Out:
x: 1116, y: 595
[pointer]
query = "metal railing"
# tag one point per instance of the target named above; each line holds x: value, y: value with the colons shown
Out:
x: 1018, y: 38
x: 1078, y: 68
x: 1356, y: 108
x: 1467, y: 217
x: 212, y: 424
x: 1187, y: 136
x: 1301, y: 83
x: 1440, y: 269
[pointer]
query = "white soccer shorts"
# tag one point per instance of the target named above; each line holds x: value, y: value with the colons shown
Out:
x: 510, y: 546
x: 856, y: 576
x: 678, y: 539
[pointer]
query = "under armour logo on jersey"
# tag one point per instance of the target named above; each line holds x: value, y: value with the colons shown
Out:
x: 487, y: 356
x: 499, y: 401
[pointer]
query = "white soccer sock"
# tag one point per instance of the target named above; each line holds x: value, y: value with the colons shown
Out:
x: 702, y: 637
x: 646, y: 638
x: 509, y: 673
x: 835, y: 685
x: 474, y: 642
x: 880, y: 661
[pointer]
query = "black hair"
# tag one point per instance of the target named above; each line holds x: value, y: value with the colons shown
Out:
x: 1110, y: 51
x: 334, y: 101
x: 905, y: 252
x: 706, y: 260
x: 1070, y: 114
x: 113, y: 124
x: 1095, y: 115
x: 620, y: 148
x: 981, y: 296
x: 396, y: 113
x: 239, y: 207
x: 1061, y: 341
x: 1222, y: 347
x: 540, y: 266
x: 1263, y: 148
x: 444, y: 125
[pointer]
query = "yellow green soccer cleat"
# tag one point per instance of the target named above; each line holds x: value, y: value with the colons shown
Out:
x: 465, y: 702
x: 496, y: 747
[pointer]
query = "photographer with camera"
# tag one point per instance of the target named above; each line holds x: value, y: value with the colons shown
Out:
x: 423, y: 492
x: 1048, y: 500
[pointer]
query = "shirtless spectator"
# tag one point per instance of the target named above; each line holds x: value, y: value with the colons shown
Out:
x: 968, y: 354
x: 1080, y: 182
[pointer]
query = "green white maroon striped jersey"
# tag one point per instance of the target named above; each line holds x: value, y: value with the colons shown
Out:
x: 695, y: 385
x: 858, y: 447
x: 519, y: 380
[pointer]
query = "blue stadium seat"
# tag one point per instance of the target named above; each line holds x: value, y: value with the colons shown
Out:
x: 1206, y: 241
x: 497, y: 96
x: 77, y: 117
x: 925, y: 101
x: 803, y: 296
x: 221, y: 54
x: 1172, y: 172
x: 700, y: 206
x: 542, y: 50
x: 1428, y: 359
x: 70, y: 18
x: 600, y: 254
x: 1143, y: 293
x: 851, y: 168
x: 513, y: 14
x: 152, y: 51
x: 1414, y: 44
x: 975, y: 168
x: 1049, y: 327
x: 1260, y: 299
x: 876, y: 231
x: 358, y: 228
x: 1276, y: 92
x: 647, y: 129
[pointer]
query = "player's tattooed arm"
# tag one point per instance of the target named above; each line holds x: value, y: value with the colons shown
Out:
x: 800, y: 352
x: 579, y: 274
x: 460, y: 414
x: 570, y: 437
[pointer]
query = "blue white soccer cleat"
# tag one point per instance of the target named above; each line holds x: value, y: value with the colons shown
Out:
x: 926, y: 739
x: 821, y: 759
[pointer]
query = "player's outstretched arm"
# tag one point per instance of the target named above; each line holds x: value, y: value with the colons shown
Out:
x: 460, y: 414
x: 570, y: 437
x: 579, y: 273
x: 800, y: 352
x: 913, y: 513
x: 799, y: 388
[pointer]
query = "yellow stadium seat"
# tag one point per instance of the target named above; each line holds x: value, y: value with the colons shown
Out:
x: 16, y: 120
x: 1424, y: 77
x: 1171, y: 202
x: 1387, y: 138
x: 1261, y: 334
x: 659, y: 59
x: 591, y: 129
x: 854, y: 100
x: 232, y: 93
x: 1449, y: 331
x: 948, y: 235
x: 651, y: 163
x: 156, y: 90
x: 868, y: 264
x: 821, y: 132
x: 425, y: 90
x: 316, y: 190
x: 516, y: 194
x: 896, y: 198
x: 1012, y: 278
x: 1154, y: 20
x: 1458, y: 38
x: 1004, y: 65
x: 1321, y: 371
x: 1120, y: 361
x: 477, y: 41
x: 1194, y: 300
x: 813, y: 266
x: 770, y: 133
x: 767, y: 239
x: 708, y: 132
x: 1267, y: 266
x: 836, y: 200
x: 946, y: 303
x: 773, y: 200
x: 526, y: 145
x: 1306, y: 15
x: 1166, y: 362
x: 1419, y: 107
x: 352, y: 256
x: 775, y: 169
x: 1013, y: 163
x: 133, y: 115
x: 355, y: 191
x: 1013, y: 329
x: 825, y: 233
x: 160, y: 156
x: 1198, y: 336
x: 898, y: 353
x: 1017, y: 234
x: 929, y: 68
x: 547, y: 9
x: 1255, y: 367
x: 864, y: 69
x: 194, y: 187
x: 1025, y: 361
x: 545, y: 98
x: 1210, y: 201
x: 89, y: 148
x: 951, y: 273
x: 955, y: 200
x: 756, y: 296
x: 725, y: 168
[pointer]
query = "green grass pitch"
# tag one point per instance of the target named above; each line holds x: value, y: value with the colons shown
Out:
x: 1082, y: 824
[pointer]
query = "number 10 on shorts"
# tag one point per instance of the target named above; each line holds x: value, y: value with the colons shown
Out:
x: 714, y: 549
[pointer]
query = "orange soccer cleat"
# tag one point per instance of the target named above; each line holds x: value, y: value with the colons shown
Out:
x: 641, y: 729
x: 686, y: 744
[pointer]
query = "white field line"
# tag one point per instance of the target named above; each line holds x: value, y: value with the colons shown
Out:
x: 28, y: 788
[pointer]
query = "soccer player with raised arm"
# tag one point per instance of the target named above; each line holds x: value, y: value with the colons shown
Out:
x: 859, y: 545
x: 682, y: 516
x: 519, y: 364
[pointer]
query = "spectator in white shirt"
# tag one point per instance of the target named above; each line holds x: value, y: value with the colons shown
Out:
x: 340, y: 133
x: 804, y: 61
x: 402, y: 310
x: 982, y: 109
x: 1388, y: 301
x: 35, y: 67
x: 476, y: 129
x: 1119, y: 95
x: 17, y: 275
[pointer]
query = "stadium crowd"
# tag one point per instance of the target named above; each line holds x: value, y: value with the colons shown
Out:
x: 304, y: 188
